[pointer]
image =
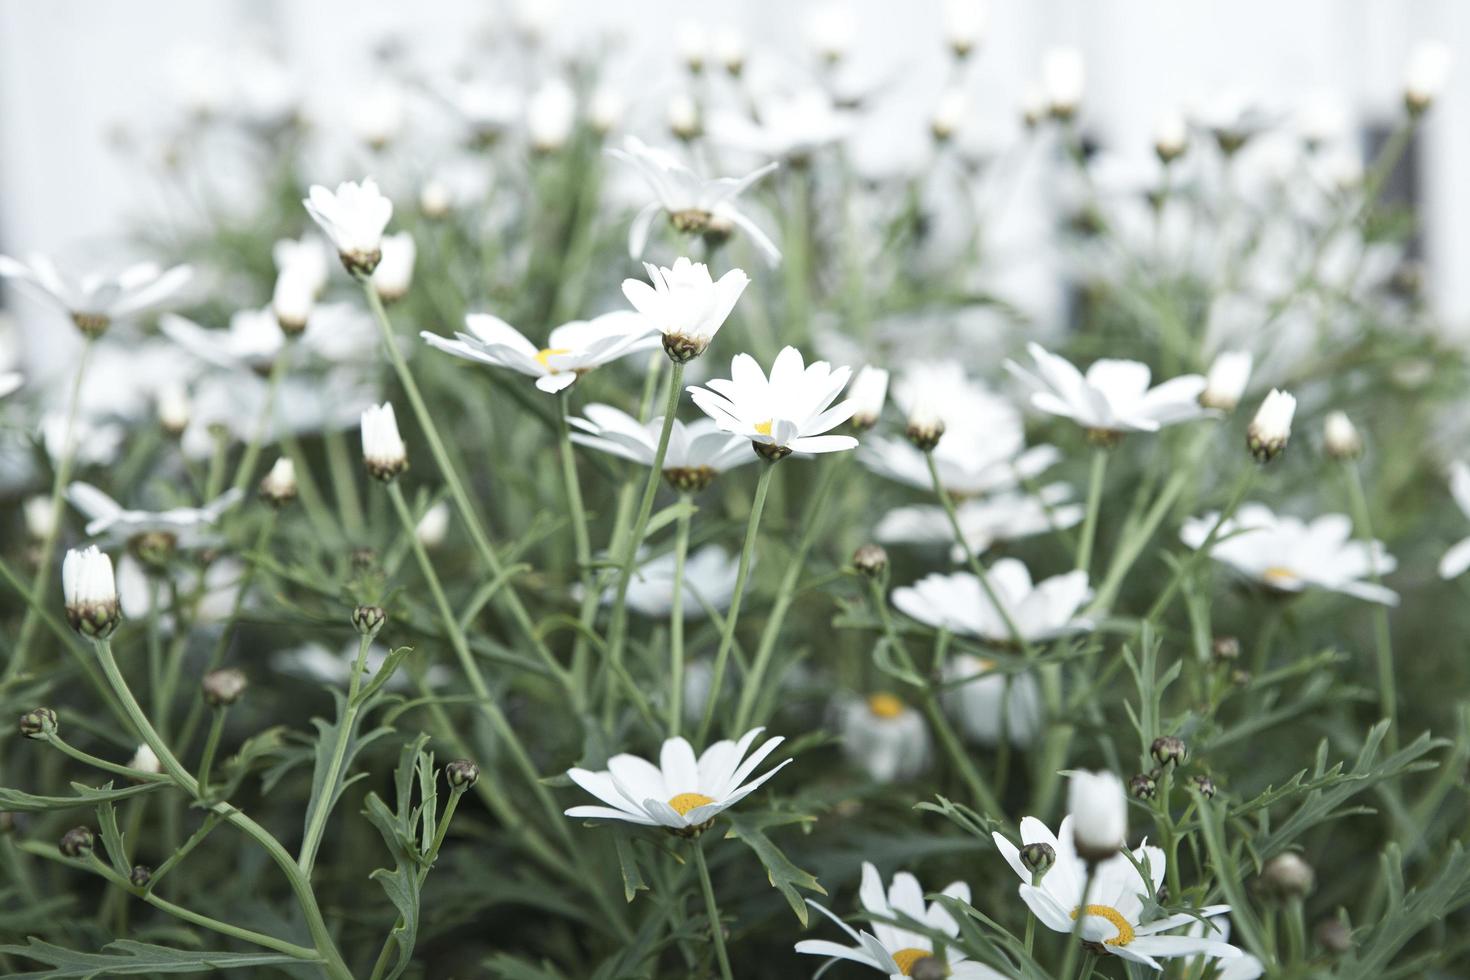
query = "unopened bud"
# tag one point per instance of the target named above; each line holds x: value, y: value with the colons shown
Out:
x: 1229, y: 374
x: 141, y: 875
x: 1204, y: 785
x: 78, y: 842
x: 224, y: 687
x: 1288, y: 875
x: 383, y: 452
x: 925, y: 426
x: 1169, y: 749
x: 1098, y: 807
x: 1171, y: 137
x: 174, y: 409
x: 1334, y: 936
x: 867, y: 394
x: 1225, y: 649
x: 369, y: 619
x: 1038, y: 858
x: 871, y: 560
x: 1342, y: 439
x: 278, y: 487
x: 1270, y: 430
x: 462, y: 773
x: 1143, y: 787
x: 38, y: 723
x: 92, y: 606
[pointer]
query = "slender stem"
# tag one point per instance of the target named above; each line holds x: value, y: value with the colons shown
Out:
x: 346, y: 726
x: 727, y: 635
x: 344, y: 481
x: 211, y: 746
x: 1074, y: 947
x: 1242, y: 486
x: 712, y: 908
x: 618, y: 625
x: 1094, y: 502
x: 573, y: 488
x: 1383, y: 638
x: 246, y: 468
x: 87, y: 758
x: 56, y: 509
x: 676, y: 622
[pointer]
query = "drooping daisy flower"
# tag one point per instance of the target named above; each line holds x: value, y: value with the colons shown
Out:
x: 572, y: 349
x: 1043, y: 611
x: 696, y: 454
x: 884, y: 737
x: 686, y: 304
x: 151, y: 535
x: 1113, y: 397
x: 1457, y: 559
x: 94, y: 302
x: 977, y: 694
x: 1290, y: 555
x: 252, y: 342
x: 892, y: 949
x: 1007, y: 516
x: 681, y: 794
x: 782, y: 414
x: 353, y: 217
x: 709, y: 583
x: 1114, y: 903
x: 694, y: 204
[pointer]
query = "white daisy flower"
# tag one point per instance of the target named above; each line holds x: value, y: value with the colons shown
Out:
x: 1111, y: 918
x: 353, y: 217
x: 1229, y: 373
x: 572, y: 349
x: 178, y: 528
x: 1457, y: 559
x: 252, y: 342
x: 1113, y: 397
x: 681, y: 794
x: 1242, y: 967
x: 868, y: 393
x: 1270, y: 430
x: 686, y: 304
x: 791, y: 127
x: 1063, y: 80
x: 1426, y: 73
x: 976, y: 694
x: 433, y: 527
x: 304, y: 259
x: 95, y: 301
x: 892, y: 949
x: 958, y: 603
x: 1288, y: 554
x: 883, y: 736
x: 1098, y: 808
x: 694, y: 204
x: 696, y: 454
x: 487, y: 107
x: 95, y: 442
x: 551, y: 115
x: 709, y: 583
x: 378, y: 113
x: 1007, y: 516
x: 782, y: 414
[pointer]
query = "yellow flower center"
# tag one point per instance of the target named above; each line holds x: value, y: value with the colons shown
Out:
x: 544, y: 356
x: 764, y: 428
x: 1279, y: 575
x: 906, y: 958
x: 685, y: 802
x: 1125, y: 929
x: 885, y: 705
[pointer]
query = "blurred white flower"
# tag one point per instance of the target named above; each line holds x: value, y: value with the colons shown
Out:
x: 1171, y: 135
x: 252, y: 343
x: 691, y: 42
x: 1290, y: 555
x: 893, y: 949
x: 1233, y: 117
x: 278, y: 486
x: 605, y: 109
x: 709, y: 583
x: 301, y: 275
x: 1426, y: 72
x: 1229, y: 373
x: 730, y: 49
x: 950, y: 112
x: 487, y: 107
x: 383, y: 451
x: 10, y: 382
x: 95, y: 442
x: 1063, y: 80
x: 696, y: 453
x: 40, y: 519
x: 572, y: 349
x: 353, y: 217
x: 186, y: 527
x: 965, y: 22
x: 1113, y: 397
x: 785, y: 413
x: 1006, y: 516
x: 394, y: 273
x: 377, y: 115
x: 145, y: 760
x: 693, y: 203
x: 681, y: 794
x: 551, y: 115
x: 1270, y: 430
x: 1340, y: 436
x: 884, y: 737
x: 958, y: 603
x: 868, y: 393
x: 789, y: 127
x: 1457, y: 559
x: 831, y: 27
x: 334, y: 668
x: 174, y: 407
x: 96, y: 301
x: 686, y: 304
x: 1098, y: 809
x: 683, y: 116
x: 434, y: 525
x: 976, y: 694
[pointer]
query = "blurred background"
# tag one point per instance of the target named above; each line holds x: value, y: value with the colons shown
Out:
x: 92, y: 95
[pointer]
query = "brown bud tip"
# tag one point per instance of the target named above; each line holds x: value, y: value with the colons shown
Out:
x: 1205, y: 785
x: 1143, y: 787
x: 77, y: 842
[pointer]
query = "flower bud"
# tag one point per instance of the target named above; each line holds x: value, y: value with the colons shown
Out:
x: 683, y: 117
x: 965, y: 22
x: 141, y: 875
x: 1229, y: 373
x: 1342, y: 439
x: 925, y: 426
x: 729, y: 46
x: 462, y: 773
x: 1334, y: 936
x: 1038, y: 858
x: 1171, y: 137
x: 435, y: 199
x: 868, y: 392
x: 383, y: 452
x: 293, y: 299
x: 173, y: 407
x: 551, y: 114
x: 224, y: 687
x: 831, y: 29
x: 433, y: 526
x: 38, y: 723
x: 39, y: 517
x: 949, y: 113
x: 1225, y: 649
x: 1288, y: 875
x: 1204, y: 785
x: 871, y: 560
x: 90, y: 593
x: 1099, y: 812
x: 394, y: 273
x: 78, y: 842
x: 605, y: 110
x: 690, y: 41
x: 145, y: 760
x: 369, y: 619
x: 1143, y: 787
x: 1063, y: 80
x: 1270, y: 430
x: 278, y: 487
x: 1425, y: 75
x: 1169, y: 750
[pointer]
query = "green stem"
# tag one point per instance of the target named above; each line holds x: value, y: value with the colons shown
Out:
x: 676, y: 622
x: 346, y: 725
x: 86, y: 758
x: 443, y: 829
x: 344, y: 481
x: 246, y: 469
x: 56, y: 509
x: 727, y: 635
x: 211, y: 746
x: 1094, y: 503
x: 582, y: 541
x: 712, y: 909
x: 1387, y: 697
x: 1074, y: 946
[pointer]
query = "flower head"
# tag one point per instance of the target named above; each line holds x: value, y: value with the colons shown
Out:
x: 90, y: 593
x: 960, y: 604
x: 782, y: 414
x: 1006, y: 516
x: 572, y: 349
x: 94, y: 302
x: 1271, y: 428
x: 990, y: 703
x: 868, y: 393
x: 686, y: 304
x: 709, y: 583
x: 1113, y: 397
x: 1099, y: 811
x: 278, y: 487
x: 696, y: 453
x: 551, y: 115
x: 682, y: 794
x: 1341, y: 437
x: 150, y: 532
x: 1425, y: 74
x: 353, y: 217
x: 888, y: 739
x: 395, y: 271
x: 1229, y: 373
x: 383, y: 451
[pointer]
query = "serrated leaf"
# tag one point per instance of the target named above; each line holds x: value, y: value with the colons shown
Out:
x: 784, y: 876
x: 112, y: 838
x: 322, y: 795
x: 17, y: 802
x: 128, y: 958
x: 399, y: 833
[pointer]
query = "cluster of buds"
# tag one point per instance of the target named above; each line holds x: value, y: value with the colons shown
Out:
x: 278, y: 487
x: 383, y: 452
x: 87, y: 585
x: 223, y: 687
x: 1270, y: 430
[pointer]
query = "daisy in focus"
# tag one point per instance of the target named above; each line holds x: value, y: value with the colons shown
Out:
x: 95, y: 301
x: 695, y: 205
x: 682, y: 794
x: 1041, y: 611
x: 890, y: 948
x: 686, y: 304
x: 1113, y: 397
x: 696, y: 454
x: 572, y: 349
x: 785, y: 413
x: 1289, y: 555
x: 1112, y: 917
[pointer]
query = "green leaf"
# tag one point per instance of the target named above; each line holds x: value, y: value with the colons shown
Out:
x: 112, y: 838
x: 633, y: 882
x: 385, y: 673
x: 406, y: 832
x: 17, y: 802
x: 784, y: 876
x: 128, y: 958
x: 322, y: 795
